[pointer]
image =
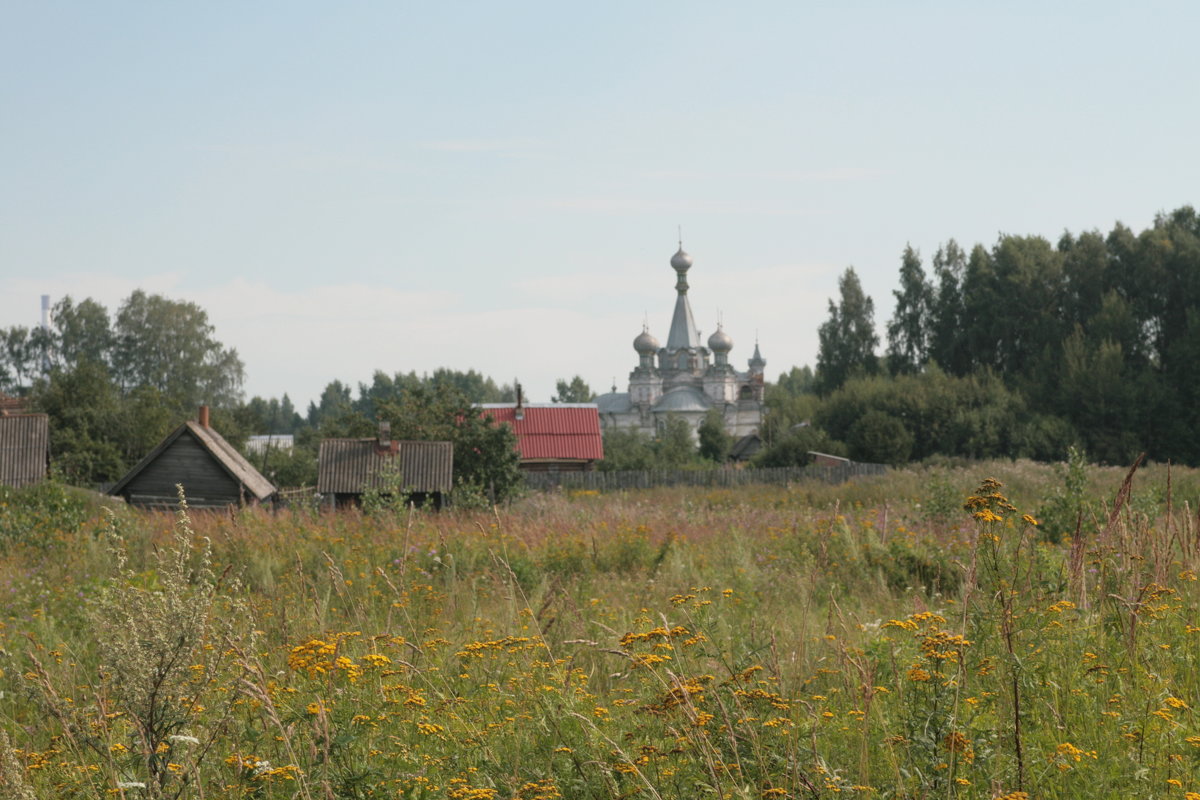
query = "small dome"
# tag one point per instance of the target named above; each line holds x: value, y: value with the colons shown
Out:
x: 682, y: 399
x: 645, y: 343
x: 681, y: 260
x: 720, y: 342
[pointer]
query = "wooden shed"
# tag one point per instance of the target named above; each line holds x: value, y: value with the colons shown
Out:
x: 826, y: 460
x: 24, y: 448
x: 213, y: 474
x: 346, y: 468
x: 746, y: 448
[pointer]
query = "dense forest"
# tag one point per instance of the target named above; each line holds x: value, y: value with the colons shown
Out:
x: 1023, y: 349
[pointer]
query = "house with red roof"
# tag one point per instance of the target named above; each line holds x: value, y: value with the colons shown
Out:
x: 552, y: 436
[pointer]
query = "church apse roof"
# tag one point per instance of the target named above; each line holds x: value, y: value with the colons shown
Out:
x: 682, y: 399
x: 614, y: 403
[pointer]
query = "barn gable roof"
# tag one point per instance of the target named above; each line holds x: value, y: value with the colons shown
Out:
x: 24, y: 448
x: 352, y: 466
x: 553, y: 431
x: 222, y: 452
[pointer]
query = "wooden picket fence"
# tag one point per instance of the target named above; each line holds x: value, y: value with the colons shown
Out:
x: 646, y: 479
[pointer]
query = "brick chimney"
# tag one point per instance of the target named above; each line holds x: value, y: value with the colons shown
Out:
x: 202, y: 417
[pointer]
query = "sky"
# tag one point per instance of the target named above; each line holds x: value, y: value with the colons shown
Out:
x: 352, y: 187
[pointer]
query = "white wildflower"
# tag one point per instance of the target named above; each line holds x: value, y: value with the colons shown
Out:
x: 130, y: 785
x: 183, y: 739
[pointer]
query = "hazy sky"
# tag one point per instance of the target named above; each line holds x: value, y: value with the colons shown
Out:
x: 347, y: 187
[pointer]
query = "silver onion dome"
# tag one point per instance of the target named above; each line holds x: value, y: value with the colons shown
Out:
x: 681, y: 261
x: 645, y: 343
x: 720, y: 342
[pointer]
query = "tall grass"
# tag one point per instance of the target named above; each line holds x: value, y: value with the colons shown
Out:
x: 877, y: 639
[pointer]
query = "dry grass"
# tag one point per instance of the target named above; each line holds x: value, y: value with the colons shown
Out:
x: 874, y: 640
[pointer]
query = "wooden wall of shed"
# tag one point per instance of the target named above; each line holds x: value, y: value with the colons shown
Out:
x: 185, y: 462
x: 557, y: 465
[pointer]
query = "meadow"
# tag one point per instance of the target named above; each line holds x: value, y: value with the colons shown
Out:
x: 998, y: 630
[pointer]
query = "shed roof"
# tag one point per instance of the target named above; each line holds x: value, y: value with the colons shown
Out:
x: 24, y: 448
x: 745, y: 447
x: 827, y: 458
x: 554, y: 430
x: 223, y: 453
x: 351, y: 466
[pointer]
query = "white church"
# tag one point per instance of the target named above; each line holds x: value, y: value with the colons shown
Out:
x: 686, y: 378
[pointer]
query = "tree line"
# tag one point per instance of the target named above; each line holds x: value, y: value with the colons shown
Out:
x: 1021, y: 349
x: 115, y: 385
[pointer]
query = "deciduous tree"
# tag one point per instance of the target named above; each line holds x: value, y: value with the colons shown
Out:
x: 169, y: 345
x: 714, y: 440
x: 574, y: 391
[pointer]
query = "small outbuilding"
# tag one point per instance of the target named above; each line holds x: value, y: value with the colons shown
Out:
x: 24, y: 448
x: 826, y: 460
x: 213, y: 474
x: 745, y: 448
x: 563, y: 437
x: 347, y: 468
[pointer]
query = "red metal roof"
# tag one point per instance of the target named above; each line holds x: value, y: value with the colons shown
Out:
x: 567, y: 431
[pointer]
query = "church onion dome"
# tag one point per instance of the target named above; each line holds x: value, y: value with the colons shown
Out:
x: 681, y: 261
x: 720, y: 342
x: 645, y: 343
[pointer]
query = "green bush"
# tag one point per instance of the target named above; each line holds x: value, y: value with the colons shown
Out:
x: 1064, y: 510
x: 36, y: 515
x: 880, y: 438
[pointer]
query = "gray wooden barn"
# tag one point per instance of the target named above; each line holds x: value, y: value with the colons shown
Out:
x: 24, y: 448
x: 213, y: 474
x: 348, y: 467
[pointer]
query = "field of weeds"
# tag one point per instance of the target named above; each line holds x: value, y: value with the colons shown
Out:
x: 934, y: 633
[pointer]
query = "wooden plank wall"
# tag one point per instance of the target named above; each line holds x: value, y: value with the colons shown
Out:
x: 185, y: 461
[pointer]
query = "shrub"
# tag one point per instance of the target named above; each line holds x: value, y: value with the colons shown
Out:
x: 36, y: 515
x: 164, y: 641
x: 880, y: 438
